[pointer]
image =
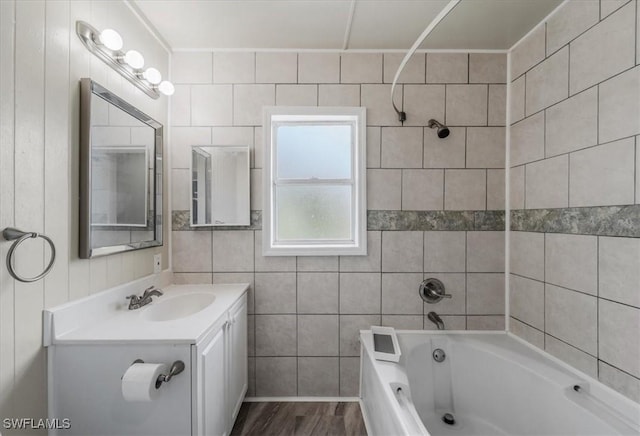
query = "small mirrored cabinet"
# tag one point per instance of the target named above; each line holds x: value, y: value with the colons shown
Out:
x: 220, y: 186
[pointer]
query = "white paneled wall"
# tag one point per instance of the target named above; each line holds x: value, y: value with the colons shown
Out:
x: 42, y: 61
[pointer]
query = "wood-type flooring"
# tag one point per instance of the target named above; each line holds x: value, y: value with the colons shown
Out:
x: 300, y: 419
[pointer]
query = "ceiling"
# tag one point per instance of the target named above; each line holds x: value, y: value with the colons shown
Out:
x: 341, y: 24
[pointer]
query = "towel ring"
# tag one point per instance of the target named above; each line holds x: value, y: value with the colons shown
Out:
x: 11, y: 234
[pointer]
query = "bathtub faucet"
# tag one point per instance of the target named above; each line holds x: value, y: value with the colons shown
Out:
x: 435, y: 318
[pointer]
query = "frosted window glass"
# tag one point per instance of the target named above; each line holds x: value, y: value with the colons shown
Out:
x: 314, y: 151
x: 308, y: 212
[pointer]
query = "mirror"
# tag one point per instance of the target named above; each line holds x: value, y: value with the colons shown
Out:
x: 220, y: 186
x: 120, y: 174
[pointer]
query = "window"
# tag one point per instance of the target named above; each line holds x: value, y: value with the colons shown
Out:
x: 314, y: 181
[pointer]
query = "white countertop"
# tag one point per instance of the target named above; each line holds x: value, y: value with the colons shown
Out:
x: 107, y: 319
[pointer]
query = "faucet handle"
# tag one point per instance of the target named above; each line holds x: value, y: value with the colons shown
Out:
x: 432, y: 290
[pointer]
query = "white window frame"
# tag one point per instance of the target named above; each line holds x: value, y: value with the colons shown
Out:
x: 276, y: 116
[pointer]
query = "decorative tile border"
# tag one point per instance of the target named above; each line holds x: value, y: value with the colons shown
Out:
x: 600, y: 221
x: 442, y: 220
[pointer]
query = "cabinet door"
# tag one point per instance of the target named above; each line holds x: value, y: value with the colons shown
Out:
x: 212, y: 407
x: 238, y: 375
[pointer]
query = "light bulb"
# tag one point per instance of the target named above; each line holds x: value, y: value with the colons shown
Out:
x: 152, y: 75
x: 134, y: 59
x: 111, y: 39
x: 166, y: 87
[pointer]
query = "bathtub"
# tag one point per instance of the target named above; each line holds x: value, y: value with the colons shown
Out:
x: 489, y: 384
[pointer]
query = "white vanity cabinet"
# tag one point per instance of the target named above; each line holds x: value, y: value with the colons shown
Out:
x: 221, y: 373
x: 91, y: 344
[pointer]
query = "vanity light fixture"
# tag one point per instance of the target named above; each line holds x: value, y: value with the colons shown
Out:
x: 107, y: 46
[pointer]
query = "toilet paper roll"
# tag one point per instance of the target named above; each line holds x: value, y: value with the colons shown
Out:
x: 139, y: 381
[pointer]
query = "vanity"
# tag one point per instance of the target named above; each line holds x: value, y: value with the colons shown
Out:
x: 92, y: 342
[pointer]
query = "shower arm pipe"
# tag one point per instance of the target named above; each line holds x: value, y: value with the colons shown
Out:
x: 402, y: 116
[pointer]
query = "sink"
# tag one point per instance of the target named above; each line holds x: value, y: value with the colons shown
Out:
x: 177, y: 307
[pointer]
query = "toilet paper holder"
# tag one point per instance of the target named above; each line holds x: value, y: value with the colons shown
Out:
x: 176, y: 368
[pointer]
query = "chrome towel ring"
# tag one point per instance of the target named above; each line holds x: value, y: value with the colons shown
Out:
x: 12, y: 234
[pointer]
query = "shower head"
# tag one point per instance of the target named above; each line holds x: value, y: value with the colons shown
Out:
x: 443, y: 131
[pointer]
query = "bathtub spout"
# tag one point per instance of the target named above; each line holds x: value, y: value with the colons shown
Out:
x: 435, y: 318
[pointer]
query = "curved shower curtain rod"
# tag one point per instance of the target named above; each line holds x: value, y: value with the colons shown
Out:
x: 402, y: 116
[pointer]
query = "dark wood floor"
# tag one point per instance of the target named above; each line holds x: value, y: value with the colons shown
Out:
x: 300, y: 419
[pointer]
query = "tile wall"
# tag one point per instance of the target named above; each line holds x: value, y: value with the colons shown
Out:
x: 575, y: 190
x: 435, y: 206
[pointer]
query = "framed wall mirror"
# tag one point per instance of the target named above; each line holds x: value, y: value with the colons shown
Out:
x: 220, y: 186
x: 120, y: 174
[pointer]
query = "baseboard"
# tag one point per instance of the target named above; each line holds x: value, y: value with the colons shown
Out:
x: 301, y: 399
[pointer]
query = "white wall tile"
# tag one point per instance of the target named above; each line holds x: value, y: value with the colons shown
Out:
x: 317, y: 292
x: 234, y: 67
x: 527, y: 140
x: 276, y: 68
x: 191, y: 251
x: 603, y: 175
x: 384, y: 188
x: 444, y: 251
x: 485, y: 251
x: 528, y: 52
x: 232, y: 136
x: 516, y: 187
x: 181, y: 106
x: 255, y: 179
x: 446, y: 152
x: 571, y: 316
x: 637, y: 169
x: 619, y: 106
x: 516, y: 103
x: 607, y: 7
x: 360, y: 293
x: 485, y: 147
x: 317, y: 263
x: 350, y: 326
x: 497, y: 105
x: 487, y: 68
x: 485, y: 294
x: 318, y: 376
x: 618, y: 336
x: 570, y: 21
x: 604, y: 50
x: 402, y: 251
x: 618, y: 274
x: 318, y: 335
x: 527, y: 254
x: 495, y: 190
x: 526, y: 332
x: 232, y: 250
x: 191, y: 68
x: 248, y: 101
x: 318, y: 67
x: 547, y: 183
x: 485, y: 322
x: 349, y: 376
x: 547, y: 83
x: 571, y: 261
x: 422, y: 103
x: 466, y: 105
x: 371, y: 262
x: 622, y: 382
x: 182, y: 138
x: 296, y: 95
x: 401, y: 147
x: 339, y: 95
x: 211, y: 105
x: 422, y: 189
x: 403, y: 322
x: 465, y: 189
x: 361, y: 68
x: 276, y: 376
x: 180, y: 189
x: 413, y: 72
x: 379, y: 110
x: 275, y: 335
x: 526, y: 298
x: 454, y: 285
x: 572, y: 124
x: 271, y: 263
x: 447, y: 68
x: 573, y: 356
x: 373, y: 146
x: 400, y: 293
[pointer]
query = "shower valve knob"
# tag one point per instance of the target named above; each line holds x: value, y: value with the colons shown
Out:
x: 432, y: 290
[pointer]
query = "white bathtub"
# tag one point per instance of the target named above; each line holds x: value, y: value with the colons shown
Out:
x: 492, y: 384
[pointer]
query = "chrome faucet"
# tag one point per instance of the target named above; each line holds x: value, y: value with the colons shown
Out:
x: 435, y: 318
x: 138, y: 302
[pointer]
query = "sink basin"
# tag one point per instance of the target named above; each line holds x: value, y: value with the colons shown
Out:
x: 177, y: 307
